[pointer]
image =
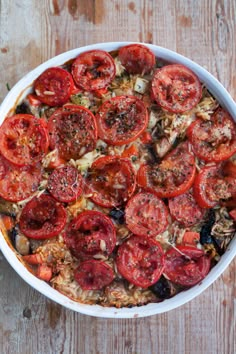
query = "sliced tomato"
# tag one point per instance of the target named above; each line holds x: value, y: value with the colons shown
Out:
x: 93, y: 275
x: 176, y: 88
x: 89, y: 234
x: 229, y: 168
x: 214, y: 139
x: 54, y: 86
x: 42, y: 218
x: 72, y: 131
x: 111, y: 181
x: 65, y: 184
x: 211, y: 187
x: 232, y: 214
x: 33, y: 100
x: 44, y: 272
x: 146, y: 214
x: 130, y: 152
x: 186, y: 265
x: 121, y: 119
x: 93, y: 70
x: 18, y: 183
x: 137, y: 58
x: 23, y: 139
x: 140, y: 260
x: 191, y: 238
x: 185, y: 209
x: 173, y: 176
x: 146, y: 137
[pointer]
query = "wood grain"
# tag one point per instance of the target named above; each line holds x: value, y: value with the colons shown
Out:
x: 33, y: 31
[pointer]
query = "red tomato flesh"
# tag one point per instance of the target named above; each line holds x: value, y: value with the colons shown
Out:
x: 211, y: 187
x: 42, y: 218
x: 89, y: 234
x: 173, y: 176
x: 93, y: 275
x: 121, y: 119
x: 214, y: 139
x: 185, y: 210
x: 176, y: 88
x: 65, y: 184
x: 18, y: 183
x: 73, y: 131
x: 93, y: 70
x: 137, y: 59
x: 23, y: 139
x: 140, y: 260
x: 146, y: 214
x: 186, y: 265
x: 54, y: 86
x: 111, y: 181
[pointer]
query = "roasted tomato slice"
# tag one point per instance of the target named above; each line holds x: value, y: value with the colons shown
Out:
x: 93, y: 275
x: 146, y: 214
x: 211, y: 187
x: 214, y: 139
x: 121, y: 120
x: 111, y: 181
x: 173, y: 176
x: 137, y: 59
x: 65, y: 184
x: 54, y: 86
x: 23, y: 139
x: 140, y: 260
x: 176, y: 88
x: 72, y: 131
x: 18, y: 183
x: 89, y: 234
x: 186, y: 265
x: 185, y: 209
x: 93, y: 70
x: 42, y: 218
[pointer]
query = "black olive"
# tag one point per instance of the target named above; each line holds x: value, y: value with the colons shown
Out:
x: 118, y: 215
x: 22, y: 109
x: 163, y: 288
x: 205, y: 233
x: 153, y: 158
x: 12, y: 235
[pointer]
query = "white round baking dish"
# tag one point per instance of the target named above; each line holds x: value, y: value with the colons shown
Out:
x: 18, y: 92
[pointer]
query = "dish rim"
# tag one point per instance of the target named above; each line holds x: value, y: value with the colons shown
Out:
x: 19, y: 91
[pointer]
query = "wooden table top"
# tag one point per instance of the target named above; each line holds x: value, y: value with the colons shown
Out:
x: 34, y: 31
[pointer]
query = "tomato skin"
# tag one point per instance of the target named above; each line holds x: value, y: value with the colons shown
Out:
x: 93, y: 275
x: 209, y: 140
x: 173, y: 176
x: 176, y: 88
x: 184, y: 271
x: 42, y: 218
x: 23, y: 139
x: 18, y: 183
x: 140, y: 260
x: 65, y: 184
x: 185, y: 209
x: 93, y: 70
x: 121, y: 120
x: 137, y: 59
x: 211, y: 187
x: 232, y: 214
x: 191, y: 238
x: 85, y: 233
x: 146, y: 215
x: 73, y: 131
x: 111, y: 181
x: 54, y: 86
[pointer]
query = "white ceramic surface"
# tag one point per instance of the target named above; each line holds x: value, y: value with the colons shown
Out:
x: 19, y: 91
